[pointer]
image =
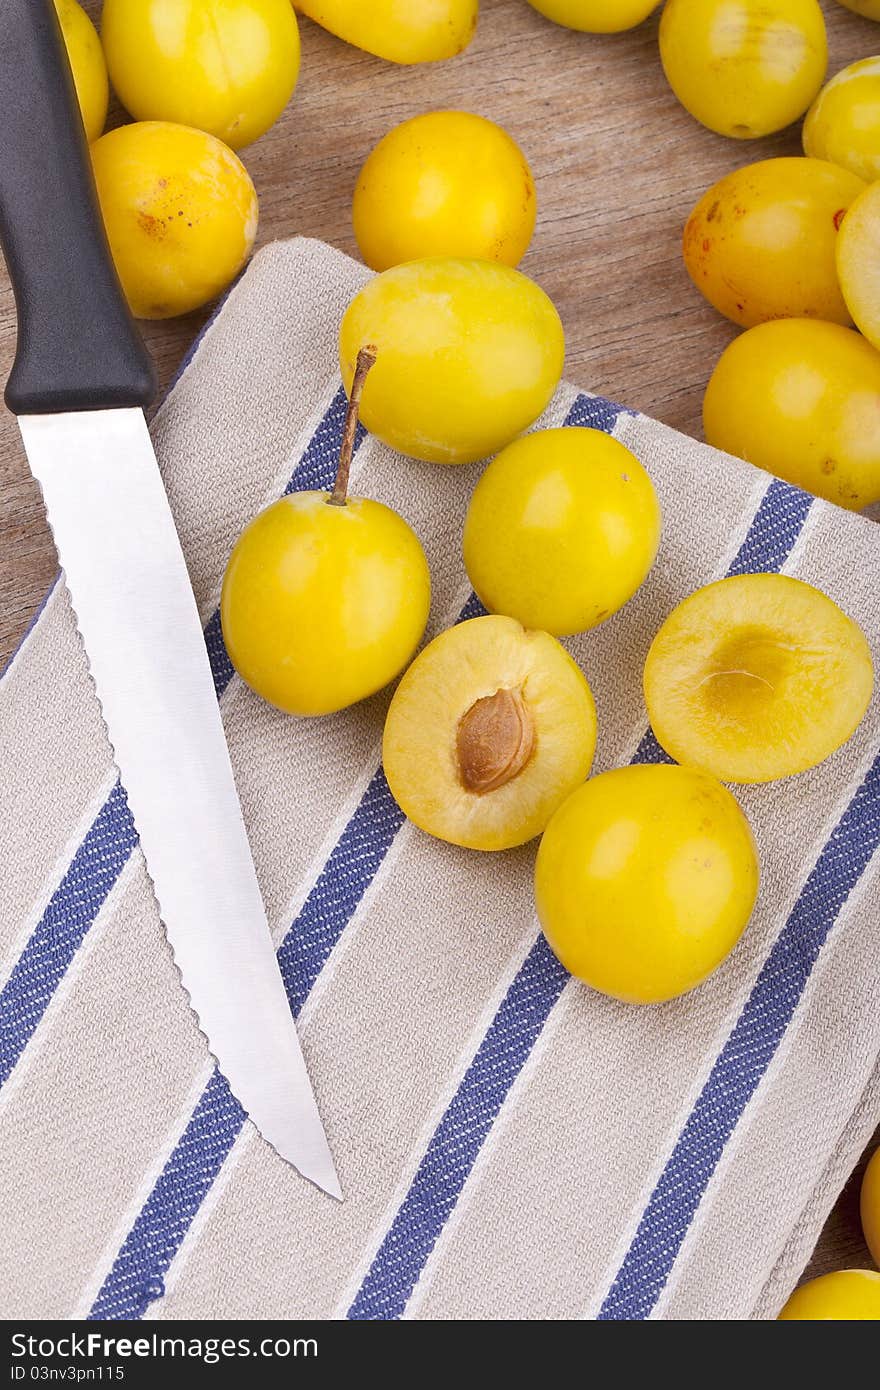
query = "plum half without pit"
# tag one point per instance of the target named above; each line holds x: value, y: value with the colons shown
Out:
x: 756, y: 677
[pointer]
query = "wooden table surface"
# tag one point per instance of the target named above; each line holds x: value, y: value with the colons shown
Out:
x: 618, y: 165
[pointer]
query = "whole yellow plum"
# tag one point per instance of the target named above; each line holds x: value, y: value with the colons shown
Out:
x: 761, y: 243
x: 225, y: 66
x: 561, y: 530
x: 468, y: 355
x: 744, y: 68
x: 447, y: 183
x: 87, y: 65
x: 843, y: 124
x: 801, y: 399
x: 415, y: 31
x: 847, y: 1295
x: 180, y: 212
x: 645, y: 880
x: 325, y: 596
x: 324, y: 605
x: 596, y: 16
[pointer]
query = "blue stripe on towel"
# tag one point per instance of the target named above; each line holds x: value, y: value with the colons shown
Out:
x: 460, y: 1135
x: 437, y: 1185
x: 136, y: 1278
x: 472, y: 609
x: 649, y: 750
x: 59, y: 933
x: 98, y: 861
x: 317, y: 467
x: 745, y: 1057
x: 777, y: 525
x: 596, y: 413
x: 341, y: 885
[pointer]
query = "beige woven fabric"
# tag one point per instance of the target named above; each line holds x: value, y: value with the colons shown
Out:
x: 116, y: 1200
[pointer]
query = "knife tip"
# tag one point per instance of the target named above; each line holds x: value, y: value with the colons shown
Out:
x: 333, y: 1188
x: 322, y: 1175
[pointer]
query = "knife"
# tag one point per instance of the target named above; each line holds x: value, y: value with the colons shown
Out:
x: 79, y: 383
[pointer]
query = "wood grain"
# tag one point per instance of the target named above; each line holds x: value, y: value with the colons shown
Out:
x: 618, y: 165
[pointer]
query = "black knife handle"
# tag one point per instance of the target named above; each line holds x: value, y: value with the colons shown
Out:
x: 78, y: 347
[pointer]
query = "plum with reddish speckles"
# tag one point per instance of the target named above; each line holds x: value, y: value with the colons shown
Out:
x: 180, y: 212
x: 760, y: 244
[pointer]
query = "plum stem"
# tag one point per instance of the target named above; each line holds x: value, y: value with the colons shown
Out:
x: 365, y: 360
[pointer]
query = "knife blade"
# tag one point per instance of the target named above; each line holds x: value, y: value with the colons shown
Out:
x: 80, y: 380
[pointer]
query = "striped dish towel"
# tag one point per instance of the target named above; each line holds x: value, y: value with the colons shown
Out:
x: 511, y: 1144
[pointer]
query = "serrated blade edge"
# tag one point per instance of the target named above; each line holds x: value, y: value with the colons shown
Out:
x: 136, y: 613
